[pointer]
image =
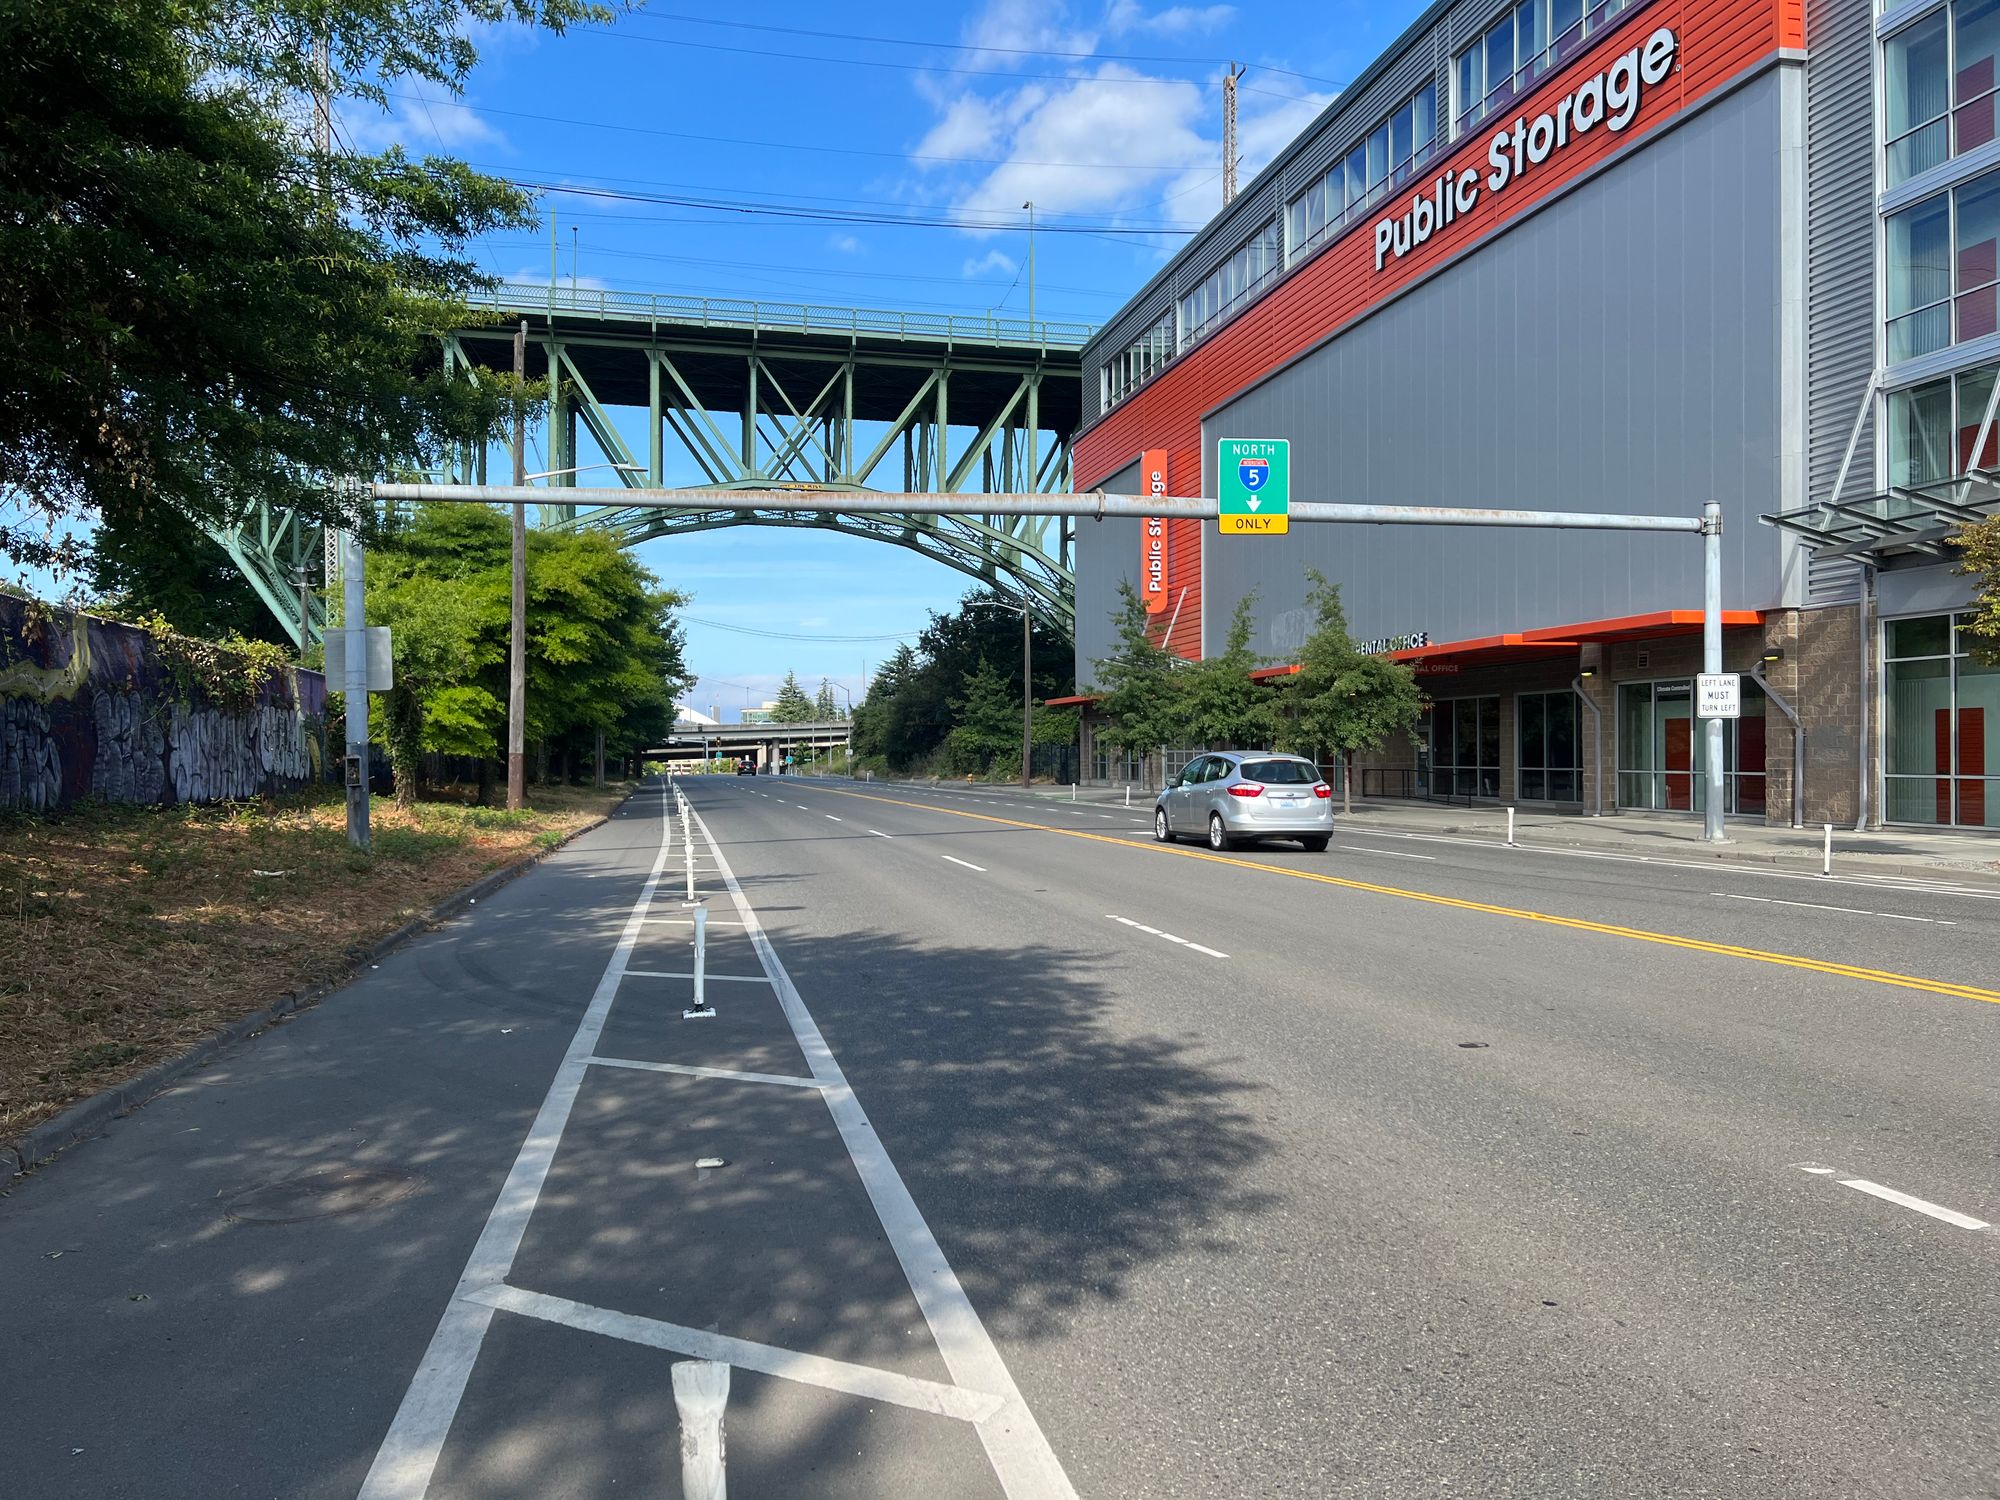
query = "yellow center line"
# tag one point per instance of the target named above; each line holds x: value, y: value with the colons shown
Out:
x: 1578, y: 924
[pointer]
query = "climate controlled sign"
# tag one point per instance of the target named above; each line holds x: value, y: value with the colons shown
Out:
x: 1254, y: 485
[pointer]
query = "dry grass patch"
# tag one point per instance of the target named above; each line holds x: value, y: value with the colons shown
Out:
x: 127, y: 934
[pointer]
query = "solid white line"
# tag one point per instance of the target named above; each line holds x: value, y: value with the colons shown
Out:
x: 1026, y: 1465
x: 1910, y: 883
x: 968, y: 865
x: 689, y: 921
x: 409, y: 1453
x: 1384, y: 853
x: 788, y: 1364
x: 1922, y: 1206
x: 724, y: 978
x: 880, y: 834
x: 730, y: 1074
x: 1852, y: 911
x: 1209, y: 951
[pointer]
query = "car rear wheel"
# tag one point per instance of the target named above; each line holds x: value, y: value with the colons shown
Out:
x: 1316, y: 844
x: 1218, y: 834
x: 1161, y: 832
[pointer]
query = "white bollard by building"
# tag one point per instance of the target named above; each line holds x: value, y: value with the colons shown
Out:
x: 1128, y: 794
x: 1072, y: 791
x: 701, y: 1391
x: 701, y: 1009
x: 1826, y: 855
x: 1510, y: 827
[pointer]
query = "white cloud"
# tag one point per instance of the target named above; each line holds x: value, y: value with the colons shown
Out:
x: 539, y: 276
x: 1092, y: 147
x: 1016, y: 26
x: 425, y: 124
x: 1127, y: 16
x: 845, y: 244
x: 995, y: 262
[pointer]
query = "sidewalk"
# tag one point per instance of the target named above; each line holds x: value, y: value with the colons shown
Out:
x: 1903, y: 851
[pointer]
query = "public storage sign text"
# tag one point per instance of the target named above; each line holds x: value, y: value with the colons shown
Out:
x: 1610, y: 99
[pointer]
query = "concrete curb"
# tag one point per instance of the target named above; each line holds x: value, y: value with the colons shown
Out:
x: 88, y: 1117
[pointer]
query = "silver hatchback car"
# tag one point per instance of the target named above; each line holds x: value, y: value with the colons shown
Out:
x: 1236, y: 796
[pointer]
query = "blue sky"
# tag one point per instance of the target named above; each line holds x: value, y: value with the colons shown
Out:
x: 1106, y: 113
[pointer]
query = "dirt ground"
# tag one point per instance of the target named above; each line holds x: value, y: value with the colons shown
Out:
x: 127, y: 934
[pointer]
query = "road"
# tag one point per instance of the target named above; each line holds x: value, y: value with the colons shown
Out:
x: 1056, y: 1161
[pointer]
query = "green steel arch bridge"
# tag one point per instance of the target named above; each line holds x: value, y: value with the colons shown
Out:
x: 712, y: 393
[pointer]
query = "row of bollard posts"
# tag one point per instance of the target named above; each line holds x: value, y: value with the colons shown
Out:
x: 701, y: 1010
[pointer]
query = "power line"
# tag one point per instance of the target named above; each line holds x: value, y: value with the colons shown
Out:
x: 901, y: 41
x: 608, y: 33
x: 724, y: 140
x: 822, y: 216
x: 786, y: 635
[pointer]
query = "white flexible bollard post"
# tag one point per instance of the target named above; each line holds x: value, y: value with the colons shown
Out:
x: 1826, y: 855
x: 701, y: 1391
x: 701, y: 1009
x: 1510, y: 828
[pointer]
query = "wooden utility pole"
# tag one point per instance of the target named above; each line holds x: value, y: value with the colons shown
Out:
x: 517, y: 633
x: 1229, y: 154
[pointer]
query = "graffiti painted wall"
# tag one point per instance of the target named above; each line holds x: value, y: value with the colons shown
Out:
x: 88, y: 711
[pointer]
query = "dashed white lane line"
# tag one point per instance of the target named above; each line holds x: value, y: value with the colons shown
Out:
x: 967, y: 863
x: 1155, y: 932
x: 1385, y: 853
x: 1900, y: 1199
x: 832, y: 819
x: 880, y: 834
x: 1852, y: 911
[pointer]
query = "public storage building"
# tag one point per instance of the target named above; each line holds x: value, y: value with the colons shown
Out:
x: 1623, y: 257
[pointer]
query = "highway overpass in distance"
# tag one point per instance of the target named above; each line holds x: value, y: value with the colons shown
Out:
x: 766, y: 742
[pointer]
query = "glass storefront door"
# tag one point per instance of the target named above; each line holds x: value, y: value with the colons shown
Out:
x: 1663, y: 753
x: 1941, y: 726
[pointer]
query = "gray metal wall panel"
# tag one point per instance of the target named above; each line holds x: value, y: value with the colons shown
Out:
x: 1616, y: 350
x: 1107, y: 554
x: 1840, y: 260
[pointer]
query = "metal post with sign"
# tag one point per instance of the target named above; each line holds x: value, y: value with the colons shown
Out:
x: 1254, y: 486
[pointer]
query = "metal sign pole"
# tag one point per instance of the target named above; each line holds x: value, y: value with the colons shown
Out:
x: 355, y: 689
x: 1099, y: 504
x: 1711, y: 662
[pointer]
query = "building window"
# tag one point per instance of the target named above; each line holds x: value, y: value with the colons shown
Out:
x: 1941, y: 726
x: 1550, y: 748
x: 1232, y: 283
x: 1519, y: 48
x: 1387, y: 156
x: 1934, y: 426
x: 1943, y: 264
x: 1133, y: 365
x: 1465, y: 747
x: 1938, y: 87
x: 1663, y: 752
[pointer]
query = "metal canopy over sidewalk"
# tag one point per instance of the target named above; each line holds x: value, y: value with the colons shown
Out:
x: 1899, y: 521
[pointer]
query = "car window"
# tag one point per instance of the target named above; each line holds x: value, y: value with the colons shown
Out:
x: 1280, y: 772
x: 1202, y: 770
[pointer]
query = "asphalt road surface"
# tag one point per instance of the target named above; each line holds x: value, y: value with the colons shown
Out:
x: 1053, y: 1161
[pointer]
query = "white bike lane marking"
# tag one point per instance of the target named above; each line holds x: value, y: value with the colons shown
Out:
x: 1022, y: 1459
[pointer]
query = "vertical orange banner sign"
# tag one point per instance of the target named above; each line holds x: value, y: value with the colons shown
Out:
x: 1153, y: 579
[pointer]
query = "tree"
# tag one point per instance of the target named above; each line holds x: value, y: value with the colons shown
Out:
x: 1223, y: 706
x: 1980, y: 543
x: 986, y: 725
x: 155, y: 563
x: 604, y: 651
x: 823, y: 705
x: 1139, y: 683
x: 1342, y: 699
x: 794, y: 707
x: 203, y: 311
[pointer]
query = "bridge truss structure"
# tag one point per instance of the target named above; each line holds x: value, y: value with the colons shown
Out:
x: 735, y: 395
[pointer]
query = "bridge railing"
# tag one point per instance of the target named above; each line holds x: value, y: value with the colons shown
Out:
x: 787, y: 317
